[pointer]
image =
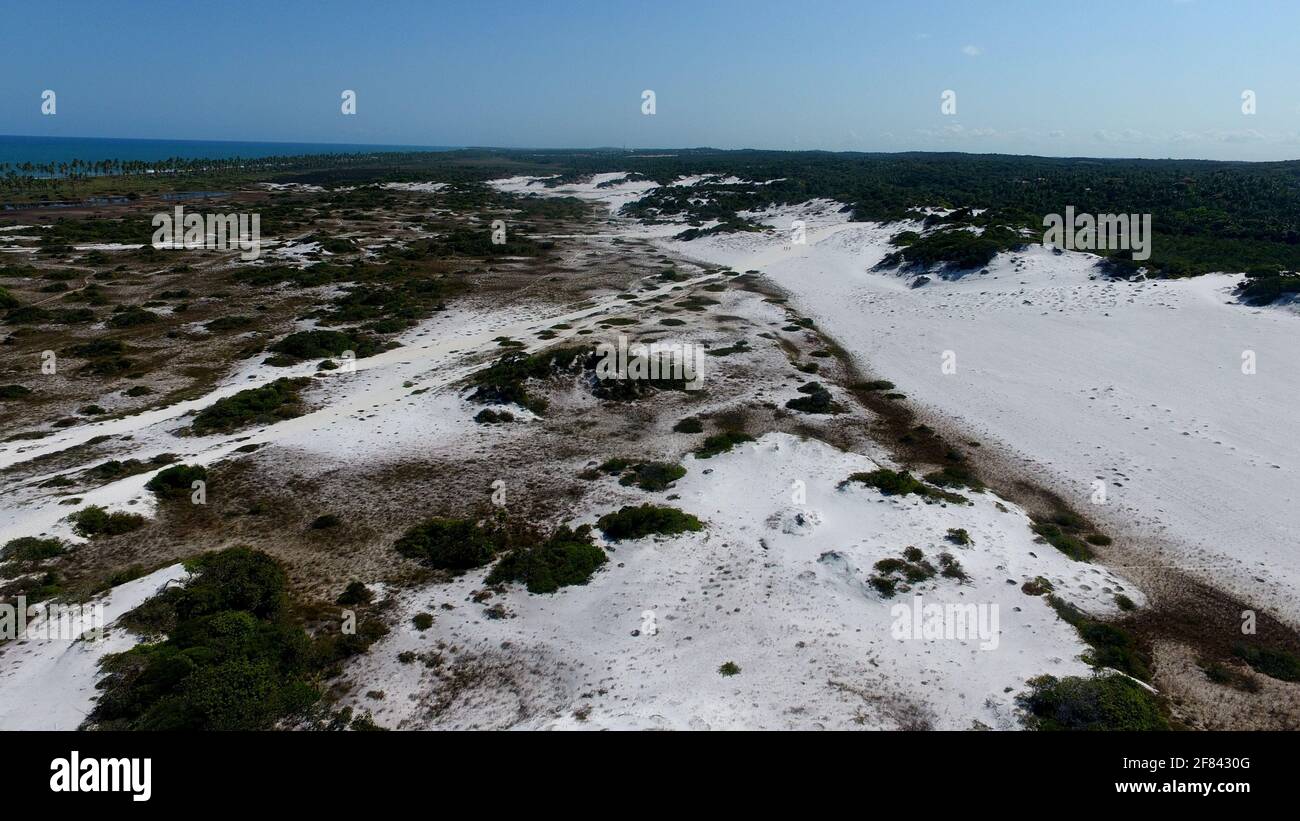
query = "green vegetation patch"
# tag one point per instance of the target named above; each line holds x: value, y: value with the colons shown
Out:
x: 1112, y: 645
x: 233, y: 658
x: 1270, y: 661
x: 504, y: 382
x: 177, y: 481
x: 635, y: 522
x: 270, y: 403
x: 689, y: 425
x: 902, y: 483
x: 323, y: 344
x: 652, y: 476
x: 1068, y: 543
x: 449, y: 544
x: 816, y: 399
x: 1110, y: 702
x: 95, y: 521
x: 567, y: 557
x: 32, y: 549
x: 721, y: 443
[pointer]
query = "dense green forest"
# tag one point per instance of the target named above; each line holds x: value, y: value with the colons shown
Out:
x: 1207, y: 216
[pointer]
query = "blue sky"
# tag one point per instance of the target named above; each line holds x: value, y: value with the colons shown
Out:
x: 1145, y: 78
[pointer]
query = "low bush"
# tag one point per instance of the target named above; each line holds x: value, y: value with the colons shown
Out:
x: 1067, y: 543
x: 32, y: 549
x: 233, y: 658
x: 1270, y: 661
x: 646, y: 520
x: 902, y: 483
x: 355, y: 593
x: 721, y: 443
x: 1111, y: 702
x: 131, y: 316
x: 96, y: 521
x: 176, y: 481
x: 816, y: 400
x: 449, y: 544
x: 487, y: 416
x: 323, y: 344
x: 567, y: 557
x: 689, y: 425
x: 958, y: 536
x: 325, y: 521
x: 653, y: 476
x: 504, y: 381
x: 270, y: 403
x: 1112, y: 645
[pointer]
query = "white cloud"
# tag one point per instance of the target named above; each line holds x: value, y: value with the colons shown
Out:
x: 1128, y: 135
x: 972, y: 51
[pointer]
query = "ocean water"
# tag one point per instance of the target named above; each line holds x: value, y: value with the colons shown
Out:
x: 15, y: 149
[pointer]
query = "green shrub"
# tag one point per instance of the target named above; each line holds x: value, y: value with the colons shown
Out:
x: 816, y: 400
x: 955, y: 476
x: 32, y: 549
x: 728, y: 669
x: 176, y: 481
x: 1037, y: 587
x: 503, y: 382
x: 487, y: 416
x: 269, y: 403
x: 131, y: 316
x: 952, y: 248
x: 902, y: 483
x: 325, y: 521
x: 233, y: 658
x: 1111, y: 702
x: 422, y: 621
x: 689, y: 425
x: 721, y: 443
x: 322, y: 344
x: 1068, y: 544
x: 1112, y: 645
x: 1259, y: 289
x: 653, y: 476
x: 884, y: 585
x: 449, y: 544
x: 875, y: 385
x: 96, y: 521
x: 1273, y: 662
x: 355, y: 593
x: 568, y: 557
x: 646, y: 520
x: 890, y: 483
x: 951, y: 568
x: 958, y: 536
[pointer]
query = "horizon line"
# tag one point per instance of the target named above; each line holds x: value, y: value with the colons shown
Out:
x: 625, y: 150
